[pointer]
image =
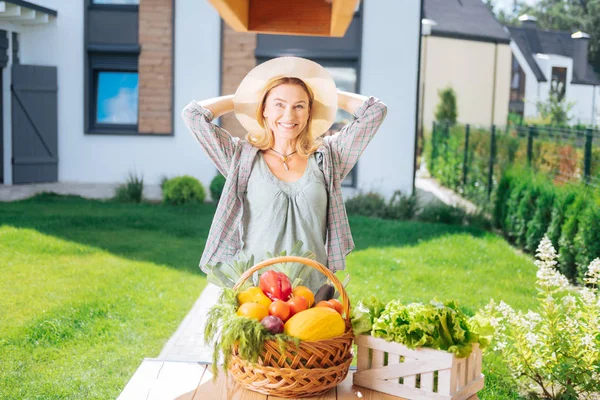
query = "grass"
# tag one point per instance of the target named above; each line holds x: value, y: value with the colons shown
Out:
x: 90, y: 288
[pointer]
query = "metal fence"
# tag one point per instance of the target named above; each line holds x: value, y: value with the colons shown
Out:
x: 471, y: 159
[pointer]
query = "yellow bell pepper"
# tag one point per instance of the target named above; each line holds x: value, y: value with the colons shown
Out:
x: 254, y: 295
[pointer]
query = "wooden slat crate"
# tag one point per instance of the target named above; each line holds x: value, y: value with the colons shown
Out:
x: 417, y: 374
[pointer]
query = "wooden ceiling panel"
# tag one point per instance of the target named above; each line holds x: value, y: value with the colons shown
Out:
x: 288, y: 17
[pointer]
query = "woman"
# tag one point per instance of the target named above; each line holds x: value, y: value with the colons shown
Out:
x: 283, y: 182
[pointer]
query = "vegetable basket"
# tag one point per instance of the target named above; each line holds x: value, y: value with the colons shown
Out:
x: 309, y: 369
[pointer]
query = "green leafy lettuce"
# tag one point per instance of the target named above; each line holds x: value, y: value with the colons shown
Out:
x: 436, y: 325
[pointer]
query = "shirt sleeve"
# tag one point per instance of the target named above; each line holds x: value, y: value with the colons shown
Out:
x: 348, y: 144
x: 218, y: 144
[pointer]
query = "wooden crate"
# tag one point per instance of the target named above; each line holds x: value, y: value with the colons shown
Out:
x: 424, y: 373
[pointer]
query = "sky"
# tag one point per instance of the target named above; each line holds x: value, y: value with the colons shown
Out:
x: 507, y: 5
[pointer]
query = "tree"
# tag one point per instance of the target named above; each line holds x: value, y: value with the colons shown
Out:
x: 446, y: 109
x: 556, y: 109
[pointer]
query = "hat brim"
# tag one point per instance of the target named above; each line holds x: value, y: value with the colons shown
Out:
x: 320, y: 82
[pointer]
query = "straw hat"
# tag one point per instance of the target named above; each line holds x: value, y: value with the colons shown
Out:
x: 316, y: 77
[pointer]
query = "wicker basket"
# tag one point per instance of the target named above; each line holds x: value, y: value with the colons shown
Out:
x: 308, y: 370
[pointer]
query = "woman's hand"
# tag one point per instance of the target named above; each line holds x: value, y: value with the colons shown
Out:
x: 350, y: 101
x: 218, y: 106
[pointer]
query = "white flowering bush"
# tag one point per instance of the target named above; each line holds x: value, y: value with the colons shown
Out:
x: 553, y: 353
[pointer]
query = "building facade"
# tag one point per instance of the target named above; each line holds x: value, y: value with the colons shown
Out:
x: 466, y: 48
x: 549, y: 61
x: 101, y: 84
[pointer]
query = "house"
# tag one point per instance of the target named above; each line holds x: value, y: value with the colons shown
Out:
x: 92, y: 89
x: 547, y: 61
x: 464, y: 47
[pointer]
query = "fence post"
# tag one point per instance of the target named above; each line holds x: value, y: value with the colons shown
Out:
x: 433, y: 148
x: 587, y: 159
x: 492, y: 161
x: 530, y: 144
x: 466, y: 155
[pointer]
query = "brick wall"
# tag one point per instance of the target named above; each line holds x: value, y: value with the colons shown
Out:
x: 155, y: 66
x: 238, y: 60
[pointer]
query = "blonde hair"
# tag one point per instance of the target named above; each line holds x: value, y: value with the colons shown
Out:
x: 306, y: 144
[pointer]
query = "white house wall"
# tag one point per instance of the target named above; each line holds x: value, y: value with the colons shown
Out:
x: 109, y: 158
x: 582, y: 111
x: 389, y: 72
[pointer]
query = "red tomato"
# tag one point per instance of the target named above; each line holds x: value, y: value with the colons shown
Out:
x: 337, y: 305
x: 297, y: 304
x: 281, y: 309
x: 276, y: 285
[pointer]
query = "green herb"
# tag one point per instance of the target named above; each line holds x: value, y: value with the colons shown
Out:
x: 225, y: 329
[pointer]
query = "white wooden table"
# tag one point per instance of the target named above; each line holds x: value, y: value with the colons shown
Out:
x: 161, y: 380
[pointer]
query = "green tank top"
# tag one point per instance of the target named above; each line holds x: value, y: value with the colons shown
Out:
x: 277, y: 214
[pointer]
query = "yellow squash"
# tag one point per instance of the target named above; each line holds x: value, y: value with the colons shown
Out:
x: 314, y: 324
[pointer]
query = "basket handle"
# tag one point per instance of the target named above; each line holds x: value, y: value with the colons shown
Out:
x: 306, y: 261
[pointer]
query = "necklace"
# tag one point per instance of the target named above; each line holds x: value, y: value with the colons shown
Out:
x: 284, y: 158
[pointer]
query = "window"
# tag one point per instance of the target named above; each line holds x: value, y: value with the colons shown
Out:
x: 517, y: 82
x: 124, y: 2
x: 116, y: 96
x: 113, y: 101
x: 558, y: 84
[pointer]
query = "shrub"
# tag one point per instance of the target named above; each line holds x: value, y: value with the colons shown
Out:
x: 216, y: 187
x: 563, y: 200
x: 567, y: 249
x: 517, y: 192
x: 443, y: 213
x: 553, y: 349
x: 183, y: 190
x: 525, y: 212
x: 401, y: 207
x: 131, y: 191
x: 370, y: 205
x: 542, y: 215
x: 587, y: 240
x: 501, y: 200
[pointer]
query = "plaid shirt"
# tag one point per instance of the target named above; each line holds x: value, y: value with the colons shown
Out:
x: 233, y: 157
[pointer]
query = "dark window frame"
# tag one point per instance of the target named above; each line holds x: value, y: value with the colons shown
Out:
x: 105, y: 62
x: 561, y: 73
x: 93, y: 111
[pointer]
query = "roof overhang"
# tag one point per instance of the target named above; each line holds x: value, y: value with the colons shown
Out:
x: 288, y: 17
x: 25, y: 13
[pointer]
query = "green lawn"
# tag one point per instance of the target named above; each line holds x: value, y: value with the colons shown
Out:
x: 90, y: 288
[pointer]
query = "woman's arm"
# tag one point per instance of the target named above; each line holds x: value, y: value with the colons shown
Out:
x: 218, y: 106
x: 218, y: 144
x: 350, y: 101
x: 348, y: 144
